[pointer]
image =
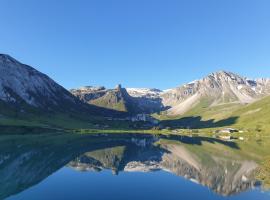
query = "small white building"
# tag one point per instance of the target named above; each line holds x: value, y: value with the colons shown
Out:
x: 225, y: 137
x: 139, y: 117
x: 241, y: 138
x: 144, y: 118
x: 228, y: 130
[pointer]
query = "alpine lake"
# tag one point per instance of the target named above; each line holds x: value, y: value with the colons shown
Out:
x: 131, y: 167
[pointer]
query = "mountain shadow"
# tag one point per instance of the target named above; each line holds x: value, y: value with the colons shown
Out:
x: 199, y: 140
x: 198, y: 123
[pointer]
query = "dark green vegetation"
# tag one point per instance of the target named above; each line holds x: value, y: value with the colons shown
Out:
x: 65, y: 116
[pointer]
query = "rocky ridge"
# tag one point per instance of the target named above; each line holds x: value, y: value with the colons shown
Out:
x: 127, y: 100
x: 22, y: 85
x: 218, y: 88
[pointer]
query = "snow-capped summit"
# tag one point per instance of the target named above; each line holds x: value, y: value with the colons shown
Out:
x: 88, y: 89
x: 144, y: 92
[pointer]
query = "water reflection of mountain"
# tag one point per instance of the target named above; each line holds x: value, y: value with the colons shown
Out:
x: 222, y: 175
x: 225, y: 176
x: 26, y: 161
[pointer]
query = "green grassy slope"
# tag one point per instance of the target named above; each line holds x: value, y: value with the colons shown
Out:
x: 206, y: 111
x: 112, y: 100
x: 255, y: 115
x: 85, y: 116
x: 119, y: 100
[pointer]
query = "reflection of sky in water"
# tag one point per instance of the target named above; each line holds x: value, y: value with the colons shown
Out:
x: 70, y: 184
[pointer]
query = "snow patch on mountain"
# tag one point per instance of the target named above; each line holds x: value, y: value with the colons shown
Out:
x: 144, y: 92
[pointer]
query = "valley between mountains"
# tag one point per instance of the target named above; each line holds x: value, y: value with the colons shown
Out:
x: 222, y: 101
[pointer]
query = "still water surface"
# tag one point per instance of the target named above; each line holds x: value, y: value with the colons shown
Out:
x: 126, y: 167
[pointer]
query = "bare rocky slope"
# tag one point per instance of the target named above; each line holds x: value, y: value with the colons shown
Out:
x: 22, y: 84
x: 217, y: 89
x: 23, y: 90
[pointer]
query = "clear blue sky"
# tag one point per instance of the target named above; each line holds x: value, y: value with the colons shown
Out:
x: 139, y: 43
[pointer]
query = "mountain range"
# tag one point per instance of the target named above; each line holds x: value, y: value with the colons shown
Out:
x: 28, y: 93
x: 24, y: 91
x: 216, y: 89
x: 133, y: 101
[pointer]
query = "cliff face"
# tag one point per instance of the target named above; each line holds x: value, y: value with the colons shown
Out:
x: 118, y: 99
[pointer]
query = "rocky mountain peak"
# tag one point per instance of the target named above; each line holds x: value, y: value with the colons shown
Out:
x: 88, y: 89
x: 226, y: 77
x: 4, y: 58
x: 263, y: 80
x: 20, y: 83
x: 118, y: 87
x: 217, y: 88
